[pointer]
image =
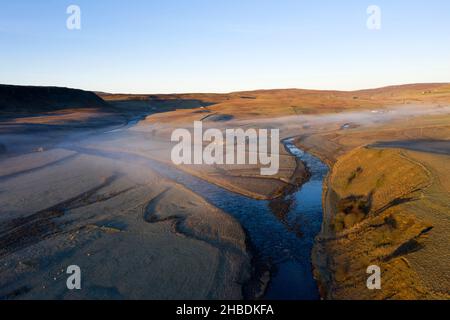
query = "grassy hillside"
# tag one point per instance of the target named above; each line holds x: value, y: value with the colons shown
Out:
x: 269, y: 103
x: 384, y: 208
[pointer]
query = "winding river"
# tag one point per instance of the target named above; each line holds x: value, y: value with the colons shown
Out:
x: 281, y: 231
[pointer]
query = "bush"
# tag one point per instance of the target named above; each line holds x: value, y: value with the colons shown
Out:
x: 351, y: 211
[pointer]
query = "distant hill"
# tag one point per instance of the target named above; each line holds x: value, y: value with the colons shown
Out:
x: 284, y: 102
x: 26, y: 99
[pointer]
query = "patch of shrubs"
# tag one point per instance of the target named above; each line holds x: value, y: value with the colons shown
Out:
x: 351, y: 210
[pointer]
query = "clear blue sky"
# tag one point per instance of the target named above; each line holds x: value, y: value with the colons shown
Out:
x: 152, y: 46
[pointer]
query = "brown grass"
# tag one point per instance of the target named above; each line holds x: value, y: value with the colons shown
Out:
x: 387, y: 224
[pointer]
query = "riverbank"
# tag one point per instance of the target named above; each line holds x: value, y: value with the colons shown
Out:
x: 400, y: 232
x: 377, y: 212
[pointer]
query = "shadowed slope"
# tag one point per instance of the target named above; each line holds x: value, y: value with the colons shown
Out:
x: 24, y: 99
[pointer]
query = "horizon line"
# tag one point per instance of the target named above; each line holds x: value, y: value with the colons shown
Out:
x: 233, y: 92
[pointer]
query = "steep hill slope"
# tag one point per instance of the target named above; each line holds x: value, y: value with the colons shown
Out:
x: 26, y: 99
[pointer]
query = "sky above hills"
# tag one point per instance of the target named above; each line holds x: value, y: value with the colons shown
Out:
x: 162, y: 46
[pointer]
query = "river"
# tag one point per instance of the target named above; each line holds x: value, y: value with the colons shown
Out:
x: 281, y: 231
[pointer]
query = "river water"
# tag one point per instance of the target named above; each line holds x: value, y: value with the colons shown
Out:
x: 281, y: 231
